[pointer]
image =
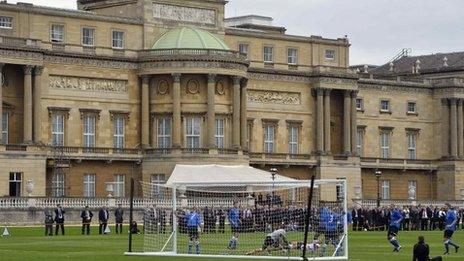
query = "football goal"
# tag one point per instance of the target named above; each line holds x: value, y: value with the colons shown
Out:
x: 280, y: 219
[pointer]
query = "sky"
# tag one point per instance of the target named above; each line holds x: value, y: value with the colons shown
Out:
x: 377, y: 29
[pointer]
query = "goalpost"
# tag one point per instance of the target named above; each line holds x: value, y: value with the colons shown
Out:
x: 246, y: 220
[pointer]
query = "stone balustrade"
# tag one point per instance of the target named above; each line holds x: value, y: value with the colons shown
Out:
x: 404, y: 202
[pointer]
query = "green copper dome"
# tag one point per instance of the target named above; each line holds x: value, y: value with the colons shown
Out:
x: 189, y: 38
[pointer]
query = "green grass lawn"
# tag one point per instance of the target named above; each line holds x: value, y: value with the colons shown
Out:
x: 29, y: 244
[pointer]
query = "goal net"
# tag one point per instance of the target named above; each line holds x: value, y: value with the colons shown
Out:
x: 246, y: 220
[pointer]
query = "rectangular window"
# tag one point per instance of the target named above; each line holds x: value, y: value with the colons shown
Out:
x: 411, y: 108
x: 4, y: 127
x: 164, y: 132
x: 385, y: 144
x: 219, y: 135
x: 244, y: 48
x: 89, y: 131
x: 57, y: 33
x: 15, y: 184
x: 193, y: 130
x: 412, y: 189
x: 292, y: 56
x: 268, y: 54
x: 269, y: 134
x: 118, y: 39
x: 6, y: 22
x: 119, y: 185
x: 249, y: 134
x: 157, y: 181
x: 89, y: 185
x: 385, y: 105
x: 385, y: 189
x: 88, y: 36
x: 359, y: 104
x: 58, y: 184
x: 360, y: 142
x: 118, y: 132
x: 58, y: 130
x: 293, y: 139
x: 412, y: 140
x: 330, y: 55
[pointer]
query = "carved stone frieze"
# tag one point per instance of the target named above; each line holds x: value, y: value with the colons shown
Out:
x: 278, y: 77
x: 88, y: 84
x: 193, y: 64
x: 184, y: 13
x: 101, y: 63
x: 274, y: 97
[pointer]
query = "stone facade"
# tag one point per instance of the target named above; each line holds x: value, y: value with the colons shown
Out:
x: 305, y: 113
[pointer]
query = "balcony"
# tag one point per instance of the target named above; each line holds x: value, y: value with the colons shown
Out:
x: 185, y: 54
x: 19, y: 42
x: 282, y: 159
x: 406, y: 202
x: 396, y: 163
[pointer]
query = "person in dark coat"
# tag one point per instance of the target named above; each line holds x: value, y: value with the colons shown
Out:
x: 59, y: 219
x: 103, y: 216
x: 119, y: 218
x: 48, y: 222
x: 421, y: 251
x: 222, y: 220
x: 86, y: 216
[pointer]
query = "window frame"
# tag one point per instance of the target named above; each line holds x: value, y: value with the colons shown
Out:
x: 385, y: 148
x: 89, y: 131
x: 156, y: 190
x: 164, y: 132
x: 18, y: 183
x: 414, y: 182
x: 193, y: 134
x: 88, y: 37
x: 359, y: 104
x: 122, y: 41
x: 89, y: 185
x: 5, y: 127
x: 387, y: 102
x: 360, y: 132
x: 58, y: 133
x: 247, y: 49
x: 289, y: 56
x: 411, y: 140
x: 119, y: 138
x: 268, y: 143
x: 52, y: 33
x: 58, y: 185
x: 293, y: 145
x: 119, y: 186
x: 385, y: 189
x: 409, y: 112
x: 219, y: 132
x: 4, y: 23
x: 330, y: 57
x: 267, y: 54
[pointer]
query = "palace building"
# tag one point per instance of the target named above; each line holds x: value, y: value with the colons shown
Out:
x: 122, y: 89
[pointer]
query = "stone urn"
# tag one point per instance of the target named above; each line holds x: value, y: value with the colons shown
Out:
x: 109, y: 189
x: 29, y: 187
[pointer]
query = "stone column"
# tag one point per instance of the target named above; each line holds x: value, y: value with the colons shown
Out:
x: 453, y: 128
x: 236, y: 116
x: 1, y: 100
x: 460, y: 128
x: 211, y: 113
x: 27, y: 111
x: 176, y: 112
x: 354, y: 124
x: 320, y: 120
x: 243, y: 116
x: 38, y: 70
x: 145, y: 111
x: 346, y: 123
x: 327, y: 135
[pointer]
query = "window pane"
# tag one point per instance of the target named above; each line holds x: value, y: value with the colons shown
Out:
x: 57, y: 33
x: 88, y: 36
x: 219, y: 135
x: 89, y: 131
x: 164, y: 132
x: 119, y: 185
x: 268, y: 54
x: 6, y: 22
x: 4, y: 138
x: 58, y: 130
x: 193, y: 132
x: 118, y: 39
x: 89, y: 185
x: 118, y: 132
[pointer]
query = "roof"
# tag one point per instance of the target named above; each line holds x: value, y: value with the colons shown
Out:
x: 428, y: 63
x: 219, y: 174
x: 189, y: 38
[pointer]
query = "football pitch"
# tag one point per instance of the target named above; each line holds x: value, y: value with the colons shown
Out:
x: 30, y: 244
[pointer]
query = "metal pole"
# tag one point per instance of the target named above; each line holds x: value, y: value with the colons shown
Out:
x: 174, y: 219
x: 378, y: 191
x: 308, y: 218
x: 131, y: 213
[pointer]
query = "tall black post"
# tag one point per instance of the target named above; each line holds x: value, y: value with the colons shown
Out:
x: 378, y: 191
x: 308, y: 218
x: 131, y: 213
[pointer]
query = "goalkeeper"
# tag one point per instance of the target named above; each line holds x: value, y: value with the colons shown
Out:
x: 193, y: 228
x: 274, y: 241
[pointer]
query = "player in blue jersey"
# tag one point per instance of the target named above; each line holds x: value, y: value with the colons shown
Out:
x: 234, y: 218
x: 450, y: 220
x: 395, y: 222
x: 330, y: 222
x: 193, y: 227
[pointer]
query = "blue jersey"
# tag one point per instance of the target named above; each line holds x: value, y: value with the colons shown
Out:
x: 193, y: 219
x: 332, y: 222
x: 234, y: 217
x: 395, y: 218
x: 324, y: 217
x: 451, y: 220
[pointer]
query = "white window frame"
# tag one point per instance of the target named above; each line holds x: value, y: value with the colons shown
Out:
x: 58, y: 129
x: 385, y: 144
x: 412, y: 184
x: 414, y: 111
x: 58, y: 185
x: 5, y: 123
x: 156, y: 180
x: 360, y: 142
x: 90, y: 122
x: 89, y: 185
x: 57, y: 36
x: 269, y: 138
x: 193, y: 132
x: 164, y: 128
x: 293, y: 137
x: 244, y: 48
x: 89, y: 39
x: 117, y: 43
x: 386, y: 103
x: 412, y: 145
x: 249, y: 134
x: 359, y: 104
x: 268, y: 54
x: 119, y: 185
x: 385, y: 189
x: 329, y: 54
x: 6, y: 22
x: 119, y: 132
x: 16, y: 180
x: 292, y: 56
x: 219, y: 133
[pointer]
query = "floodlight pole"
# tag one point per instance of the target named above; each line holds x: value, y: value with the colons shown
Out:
x: 273, y: 176
x: 308, y: 217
